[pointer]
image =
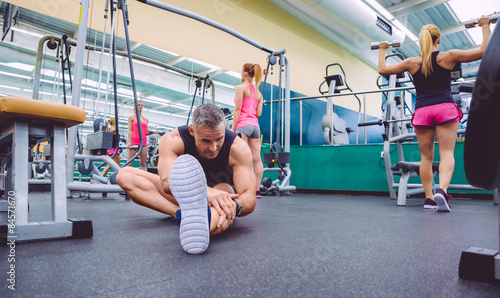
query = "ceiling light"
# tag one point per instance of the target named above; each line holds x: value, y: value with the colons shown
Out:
x: 51, y: 73
x: 181, y: 106
x: 15, y: 75
x: 19, y: 65
x: 158, y: 99
x: 93, y: 83
x: 10, y: 87
x: 29, y: 32
x: 233, y: 74
x: 127, y: 92
x: 228, y: 86
x: 180, y: 116
x: 161, y: 112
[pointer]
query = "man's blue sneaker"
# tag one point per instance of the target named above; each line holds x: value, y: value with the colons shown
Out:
x: 189, y: 186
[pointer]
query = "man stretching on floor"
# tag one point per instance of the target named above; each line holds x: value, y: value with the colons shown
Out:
x: 203, y: 169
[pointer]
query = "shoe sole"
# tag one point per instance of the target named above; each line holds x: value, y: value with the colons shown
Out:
x: 430, y: 207
x: 189, y: 186
x: 442, y: 205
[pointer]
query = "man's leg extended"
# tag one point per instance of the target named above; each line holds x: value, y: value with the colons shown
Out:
x: 146, y: 189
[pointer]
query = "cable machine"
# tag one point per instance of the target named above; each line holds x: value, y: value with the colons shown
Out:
x: 282, y: 146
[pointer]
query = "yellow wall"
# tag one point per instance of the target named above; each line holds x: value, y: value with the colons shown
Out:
x: 308, y: 51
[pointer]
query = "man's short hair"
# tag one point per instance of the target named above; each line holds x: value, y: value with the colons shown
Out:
x: 208, y: 115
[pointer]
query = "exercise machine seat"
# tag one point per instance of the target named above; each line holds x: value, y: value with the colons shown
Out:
x: 408, y: 166
x: 12, y: 108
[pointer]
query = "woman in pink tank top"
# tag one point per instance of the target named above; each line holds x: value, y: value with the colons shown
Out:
x: 112, y: 128
x: 133, y: 137
x: 247, y: 108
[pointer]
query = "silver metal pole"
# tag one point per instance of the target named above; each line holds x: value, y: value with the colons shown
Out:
x: 287, y: 106
x: 364, y: 113
x: 300, y: 125
x: 329, y: 113
x: 282, y: 95
x: 391, y: 103
x: 402, y: 101
x: 77, y: 85
x: 271, y: 117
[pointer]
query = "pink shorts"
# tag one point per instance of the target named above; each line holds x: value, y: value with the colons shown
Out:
x: 111, y: 151
x: 430, y: 116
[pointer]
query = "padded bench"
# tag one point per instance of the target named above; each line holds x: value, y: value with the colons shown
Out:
x: 23, y: 121
x: 409, y: 169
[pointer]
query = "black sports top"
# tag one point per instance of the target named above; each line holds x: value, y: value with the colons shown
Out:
x: 434, y: 89
x: 216, y: 170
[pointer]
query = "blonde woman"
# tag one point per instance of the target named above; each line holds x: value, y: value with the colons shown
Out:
x: 112, y: 128
x: 247, y: 108
x: 435, y: 113
x: 133, y: 137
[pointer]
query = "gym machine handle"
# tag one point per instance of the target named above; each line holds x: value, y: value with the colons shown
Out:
x: 379, y: 122
x: 375, y: 45
x: 494, y: 18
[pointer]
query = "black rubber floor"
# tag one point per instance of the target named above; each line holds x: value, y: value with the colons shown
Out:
x: 302, y: 245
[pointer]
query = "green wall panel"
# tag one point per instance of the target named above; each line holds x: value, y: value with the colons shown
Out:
x: 348, y: 167
x: 355, y: 167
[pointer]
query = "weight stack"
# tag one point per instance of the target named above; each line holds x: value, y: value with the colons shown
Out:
x: 99, y: 142
x: 272, y: 158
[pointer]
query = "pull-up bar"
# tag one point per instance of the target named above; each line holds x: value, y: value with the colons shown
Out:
x: 209, y: 22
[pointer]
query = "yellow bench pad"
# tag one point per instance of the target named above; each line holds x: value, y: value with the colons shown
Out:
x: 12, y: 108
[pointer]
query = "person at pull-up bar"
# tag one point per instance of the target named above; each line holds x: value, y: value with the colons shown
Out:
x: 435, y: 115
x: 205, y: 178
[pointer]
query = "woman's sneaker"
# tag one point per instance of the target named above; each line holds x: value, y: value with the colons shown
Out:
x: 430, y: 204
x: 189, y: 187
x: 441, y: 198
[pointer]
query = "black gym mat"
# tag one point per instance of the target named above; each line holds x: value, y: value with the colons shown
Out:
x: 303, y: 245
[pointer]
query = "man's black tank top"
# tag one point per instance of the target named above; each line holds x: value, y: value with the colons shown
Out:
x: 216, y: 170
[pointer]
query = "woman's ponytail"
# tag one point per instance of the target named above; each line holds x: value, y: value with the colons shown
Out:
x: 427, y: 37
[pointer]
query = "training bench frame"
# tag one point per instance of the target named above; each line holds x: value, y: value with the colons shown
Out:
x: 23, y: 122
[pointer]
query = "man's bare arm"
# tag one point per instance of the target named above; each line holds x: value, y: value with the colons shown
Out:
x: 240, y: 159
